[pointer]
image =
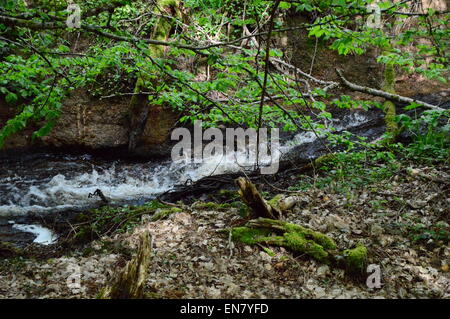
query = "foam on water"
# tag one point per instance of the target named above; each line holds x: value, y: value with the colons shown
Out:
x: 44, y: 236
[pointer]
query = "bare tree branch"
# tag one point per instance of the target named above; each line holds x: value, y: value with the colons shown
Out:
x: 386, y: 95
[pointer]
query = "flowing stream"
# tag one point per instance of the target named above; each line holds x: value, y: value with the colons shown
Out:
x: 60, y: 182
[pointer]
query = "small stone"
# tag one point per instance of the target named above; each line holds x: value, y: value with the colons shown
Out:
x: 248, y: 249
x: 289, y: 202
x: 208, y: 266
x: 334, y: 221
x: 386, y: 240
x: 214, y: 292
x: 402, y: 293
x: 376, y: 230
x: 279, y: 266
x: 319, y: 292
x: 265, y: 256
x: 336, y: 292
x: 322, y: 271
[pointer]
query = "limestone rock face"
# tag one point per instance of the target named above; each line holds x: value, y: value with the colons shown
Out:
x: 155, y: 137
x: 90, y: 123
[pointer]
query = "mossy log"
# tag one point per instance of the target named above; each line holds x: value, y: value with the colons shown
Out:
x: 253, y: 199
x: 302, y: 240
x: 130, y: 281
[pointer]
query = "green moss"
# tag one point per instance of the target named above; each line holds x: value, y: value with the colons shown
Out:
x: 299, y: 243
x: 299, y: 239
x: 211, y: 206
x: 318, y: 237
x: 163, y: 26
x: 228, y: 194
x: 290, y: 236
x: 389, y: 106
x: 355, y: 259
x: 389, y: 78
x: 274, y: 202
x: 269, y: 252
x: 161, y: 33
x: 249, y: 236
x: 322, y: 239
x: 389, y: 117
x: 163, y: 213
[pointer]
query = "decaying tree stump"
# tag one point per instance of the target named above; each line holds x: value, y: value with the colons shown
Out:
x: 130, y: 281
x: 253, y: 199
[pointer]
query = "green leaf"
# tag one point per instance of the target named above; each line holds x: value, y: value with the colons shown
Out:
x: 11, y: 98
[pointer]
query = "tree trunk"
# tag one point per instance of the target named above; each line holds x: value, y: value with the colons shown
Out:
x: 139, y: 105
x: 389, y: 106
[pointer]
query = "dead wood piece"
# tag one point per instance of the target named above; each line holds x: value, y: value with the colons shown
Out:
x: 130, y: 281
x: 384, y: 94
x: 253, y: 199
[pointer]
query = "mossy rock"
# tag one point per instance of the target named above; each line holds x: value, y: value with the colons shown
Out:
x: 249, y: 236
x: 275, y: 201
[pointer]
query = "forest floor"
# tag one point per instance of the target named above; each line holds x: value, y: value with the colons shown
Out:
x: 402, y: 220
